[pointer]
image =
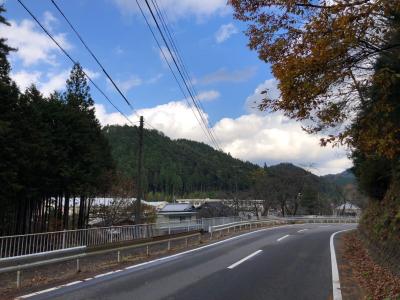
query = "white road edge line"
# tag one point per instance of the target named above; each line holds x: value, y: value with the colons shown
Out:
x: 168, y: 257
x: 244, y: 259
x: 284, y: 237
x: 303, y: 230
x: 337, y: 293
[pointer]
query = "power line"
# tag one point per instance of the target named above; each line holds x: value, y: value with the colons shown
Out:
x: 180, y: 72
x: 163, y: 19
x: 96, y: 59
x: 170, y: 67
x: 92, y: 54
x: 73, y: 61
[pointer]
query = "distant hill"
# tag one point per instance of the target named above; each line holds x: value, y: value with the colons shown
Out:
x: 343, y: 178
x: 188, y: 168
x: 177, y: 166
x: 344, y: 187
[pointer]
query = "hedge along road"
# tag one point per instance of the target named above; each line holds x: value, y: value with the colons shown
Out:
x: 286, y: 262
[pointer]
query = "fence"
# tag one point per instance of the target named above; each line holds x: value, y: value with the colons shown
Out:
x: 38, y: 243
x: 78, y: 257
x: 41, y: 243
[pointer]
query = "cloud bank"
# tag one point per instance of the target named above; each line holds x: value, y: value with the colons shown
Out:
x: 259, y: 138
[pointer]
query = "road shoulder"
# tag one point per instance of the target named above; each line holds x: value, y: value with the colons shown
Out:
x: 360, y: 276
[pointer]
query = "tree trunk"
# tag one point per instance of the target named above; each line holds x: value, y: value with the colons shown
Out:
x: 73, y: 214
x: 66, y: 210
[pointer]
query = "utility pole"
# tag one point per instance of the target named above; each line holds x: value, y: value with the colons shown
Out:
x: 139, y: 177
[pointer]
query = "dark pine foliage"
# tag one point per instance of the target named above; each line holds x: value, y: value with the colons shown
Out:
x: 177, y: 167
x: 52, y: 152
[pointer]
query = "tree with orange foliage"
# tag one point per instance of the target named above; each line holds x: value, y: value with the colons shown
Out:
x: 322, y: 52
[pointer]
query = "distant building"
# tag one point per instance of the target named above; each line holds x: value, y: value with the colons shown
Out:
x: 176, y: 212
x: 348, y: 209
x: 198, y: 202
x: 158, y: 205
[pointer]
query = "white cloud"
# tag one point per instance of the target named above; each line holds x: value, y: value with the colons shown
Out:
x: 128, y: 84
x: 179, y: 8
x: 46, y: 83
x: 258, y: 138
x: 24, y: 78
x: 165, y: 55
x: 33, y: 45
x: 252, y: 102
x: 57, y: 81
x: 155, y: 78
x: 208, y: 95
x: 54, y: 82
x: 49, y: 20
x: 224, y: 75
x: 175, y: 119
x: 225, y: 32
x: 273, y: 138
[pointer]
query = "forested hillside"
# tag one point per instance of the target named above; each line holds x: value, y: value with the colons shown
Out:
x: 179, y: 167
x: 183, y: 168
x: 344, y: 186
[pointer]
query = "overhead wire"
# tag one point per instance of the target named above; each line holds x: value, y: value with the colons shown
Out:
x: 164, y: 22
x: 73, y: 61
x: 107, y: 74
x: 111, y: 79
x: 96, y: 59
x: 170, y: 67
x: 209, y: 134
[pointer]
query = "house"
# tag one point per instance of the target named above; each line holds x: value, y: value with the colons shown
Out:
x: 198, y: 202
x: 176, y: 212
x: 347, y: 209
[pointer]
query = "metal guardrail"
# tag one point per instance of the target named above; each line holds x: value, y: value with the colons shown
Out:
x: 77, y: 257
x: 243, y: 224
x: 249, y: 224
x: 320, y: 219
x: 48, y: 242
x: 274, y: 221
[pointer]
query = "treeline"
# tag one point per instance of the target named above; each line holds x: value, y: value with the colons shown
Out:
x: 376, y: 154
x: 177, y: 167
x: 52, y: 156
x: 188, y: 169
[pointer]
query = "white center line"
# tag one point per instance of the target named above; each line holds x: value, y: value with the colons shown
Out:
x: 303, y: 230
x: 284, y: 237
x: 244, y: 259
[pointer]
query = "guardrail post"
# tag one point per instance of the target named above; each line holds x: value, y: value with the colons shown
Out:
x: 211, y: 234
x: 63, y: 242
x: 119, y: 256
x: 169, y: 245
x: 78, y: 268
x: 187, y: 242
x: 18, y: 279
x: 147, y: 250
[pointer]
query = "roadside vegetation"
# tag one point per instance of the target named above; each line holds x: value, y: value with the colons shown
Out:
x: 338, y: 67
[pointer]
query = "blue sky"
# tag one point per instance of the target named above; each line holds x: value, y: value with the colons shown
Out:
x: 227, y: 75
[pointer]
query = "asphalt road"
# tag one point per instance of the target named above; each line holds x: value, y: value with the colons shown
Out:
x: 278, y: 263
